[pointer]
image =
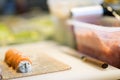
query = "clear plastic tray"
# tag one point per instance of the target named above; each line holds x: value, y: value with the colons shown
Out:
x: 98, y: 41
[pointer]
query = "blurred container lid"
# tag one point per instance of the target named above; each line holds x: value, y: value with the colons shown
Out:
x: 60, y: 8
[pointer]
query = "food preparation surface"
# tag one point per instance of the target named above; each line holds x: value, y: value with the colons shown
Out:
x: 79, y: 69
x: 41, y: 63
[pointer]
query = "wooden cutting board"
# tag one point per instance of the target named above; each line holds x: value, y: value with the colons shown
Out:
x: 42, y: 64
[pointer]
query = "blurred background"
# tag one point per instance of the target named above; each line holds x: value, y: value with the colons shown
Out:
x: 24, y: 21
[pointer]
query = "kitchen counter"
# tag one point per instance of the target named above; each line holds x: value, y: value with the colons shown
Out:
x: 79, y: 69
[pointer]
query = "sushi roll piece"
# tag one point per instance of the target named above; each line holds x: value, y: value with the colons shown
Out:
x: 18, y: 61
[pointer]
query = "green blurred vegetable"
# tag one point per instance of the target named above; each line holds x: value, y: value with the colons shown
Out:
x: 26, y: 30
x: 6, y: 35
x: 27, y: 36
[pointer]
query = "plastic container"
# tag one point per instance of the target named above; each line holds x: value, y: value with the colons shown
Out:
x: 98, y: 41
x: 60, y: 12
